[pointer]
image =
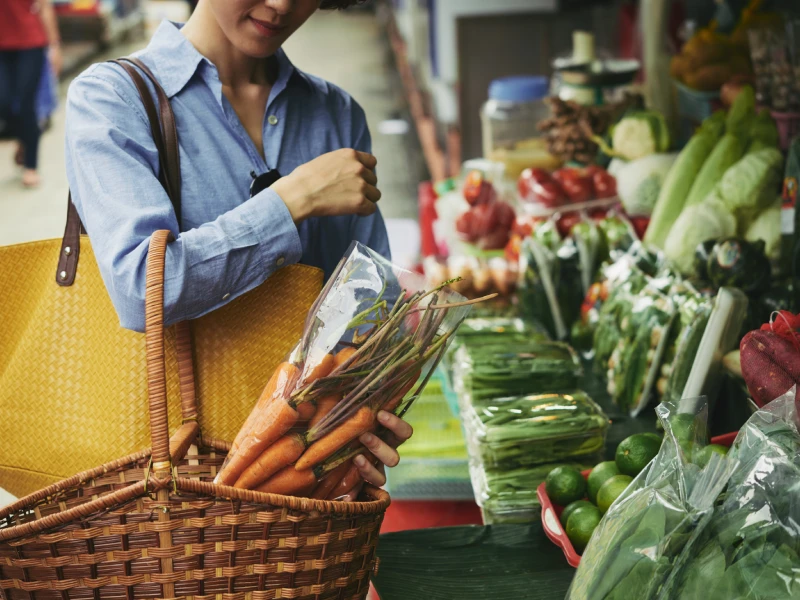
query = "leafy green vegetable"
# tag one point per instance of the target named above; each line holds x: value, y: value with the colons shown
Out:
x: 736, y: 263
x: 680, y: 179
x: 639, y: 182
x: 750, y: 185
x: 767, y: 227
x: 711, y: 219
x: 763, y: 132
x: 640, y: 134
x: 725, y: 154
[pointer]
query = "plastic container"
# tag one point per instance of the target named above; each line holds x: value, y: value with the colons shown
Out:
x: 551, y: 512
x: 510, y: 115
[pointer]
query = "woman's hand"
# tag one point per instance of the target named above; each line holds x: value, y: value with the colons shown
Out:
x: 337, y: 183
x: 385, y: 450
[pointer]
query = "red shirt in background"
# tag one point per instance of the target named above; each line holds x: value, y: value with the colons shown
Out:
x: 21, y: 26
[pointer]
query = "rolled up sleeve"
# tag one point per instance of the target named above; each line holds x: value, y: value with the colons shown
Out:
x: 112, y: 166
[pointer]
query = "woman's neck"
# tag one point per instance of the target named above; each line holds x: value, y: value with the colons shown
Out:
x: 235, y: 68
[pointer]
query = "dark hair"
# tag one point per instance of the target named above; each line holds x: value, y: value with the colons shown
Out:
x: 339, y: 4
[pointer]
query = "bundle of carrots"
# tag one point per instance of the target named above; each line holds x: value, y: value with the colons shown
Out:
x: 304, y: 429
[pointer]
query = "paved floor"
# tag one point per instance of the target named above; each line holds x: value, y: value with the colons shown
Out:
x: 347, y: 49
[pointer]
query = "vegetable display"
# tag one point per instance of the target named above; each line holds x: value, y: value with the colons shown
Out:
x: 372, y: 333
x: 639, y: 182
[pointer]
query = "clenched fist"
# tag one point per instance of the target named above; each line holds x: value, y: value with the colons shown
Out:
x: 337, y: 183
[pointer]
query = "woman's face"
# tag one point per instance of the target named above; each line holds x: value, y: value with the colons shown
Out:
x: 258, y: 28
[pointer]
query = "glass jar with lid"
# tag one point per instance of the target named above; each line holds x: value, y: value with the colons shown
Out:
x: 509, y: 118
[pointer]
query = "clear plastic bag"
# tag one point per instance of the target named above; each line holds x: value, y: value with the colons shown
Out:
x: 750, y: 548
x: 633, y: 549
x: 522, y: 431
x: 372, y: 333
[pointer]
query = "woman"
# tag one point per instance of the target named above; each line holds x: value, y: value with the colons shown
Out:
x: 241, y: 108
x: 27, y: 29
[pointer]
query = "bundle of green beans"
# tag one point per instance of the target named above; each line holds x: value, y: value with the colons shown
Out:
x: 526, y: 430
x: 489, y: 371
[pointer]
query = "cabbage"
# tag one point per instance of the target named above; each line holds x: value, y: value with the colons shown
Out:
x: 750, y: 185
x: 639, y: 182
x: 709, y: 220
x: 767, y: 227
x: 640, y: 134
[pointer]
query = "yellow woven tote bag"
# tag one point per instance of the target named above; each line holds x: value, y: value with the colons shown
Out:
x: 72, y: 380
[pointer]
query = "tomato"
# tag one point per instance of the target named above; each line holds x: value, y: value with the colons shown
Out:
x: 477, y: 190
x: 603, y: 183
x: 536, y: 185
x: 575, y: 184
x: 567, y: 221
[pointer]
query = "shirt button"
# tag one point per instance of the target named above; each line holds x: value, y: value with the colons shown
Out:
x: 226, y: 296
x: 272, y: 120
x: 280, y: 261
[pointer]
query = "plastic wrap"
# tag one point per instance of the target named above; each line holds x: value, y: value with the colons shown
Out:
x: 372, y: 333
x: 640, y: 538
x: 750, y: 548
x: 500, y: 370
x: 521, y: 431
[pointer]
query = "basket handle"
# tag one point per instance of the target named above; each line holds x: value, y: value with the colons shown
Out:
x: 154, y: 343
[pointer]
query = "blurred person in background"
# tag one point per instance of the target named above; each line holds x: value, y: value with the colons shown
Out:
x: 28, y: 29
x: 245, y: 115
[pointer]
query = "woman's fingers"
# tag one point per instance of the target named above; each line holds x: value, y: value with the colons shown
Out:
x: 368, y: 175
x: 396, y: 425
x: 369, y: 472
x: 372, y: 193
x: 367, y: 160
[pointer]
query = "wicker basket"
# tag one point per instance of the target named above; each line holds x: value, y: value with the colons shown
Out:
x: 153, y: 525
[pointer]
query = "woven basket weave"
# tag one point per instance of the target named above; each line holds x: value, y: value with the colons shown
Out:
x: 153, y: 525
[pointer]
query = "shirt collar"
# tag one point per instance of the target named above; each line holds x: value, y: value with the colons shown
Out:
x: 176, y: 60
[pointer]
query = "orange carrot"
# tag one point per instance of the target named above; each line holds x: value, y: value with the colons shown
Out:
x: 331, y: 480
x: 272, y: 422
x: 307, y: 410
x: 324, y: 406
x: 342, y: 355
x: 322, y: 369
x: 284, y: 374
x: 327, y: 445
x: 288, y: 481
x: 283, y: 452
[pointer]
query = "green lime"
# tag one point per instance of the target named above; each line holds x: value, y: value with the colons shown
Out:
x: 683, y: 427
x: 565, y: 485
x: 611, y: 490
x: 570, y: 508
x: 599, y: 475
x: 702, y: 456
x: 581, y: 524
x: 654, y: 436
x: 634, y: 453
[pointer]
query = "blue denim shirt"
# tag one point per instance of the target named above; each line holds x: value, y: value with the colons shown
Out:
x: 226, y: 244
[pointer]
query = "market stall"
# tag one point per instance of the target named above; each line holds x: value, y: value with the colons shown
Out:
x: 642, y: 349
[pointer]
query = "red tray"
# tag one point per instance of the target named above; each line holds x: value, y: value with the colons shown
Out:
x: 551, y: 512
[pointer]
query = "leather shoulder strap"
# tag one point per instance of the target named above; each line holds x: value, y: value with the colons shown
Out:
x: 165, y: 136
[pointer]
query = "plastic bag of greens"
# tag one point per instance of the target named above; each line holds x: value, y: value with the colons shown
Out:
x: 540, y: 428
x: 372, y: 334
x: 750, y: 548
x: 484, y: 373
x: 636, y: 359
x: 633, y: 549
